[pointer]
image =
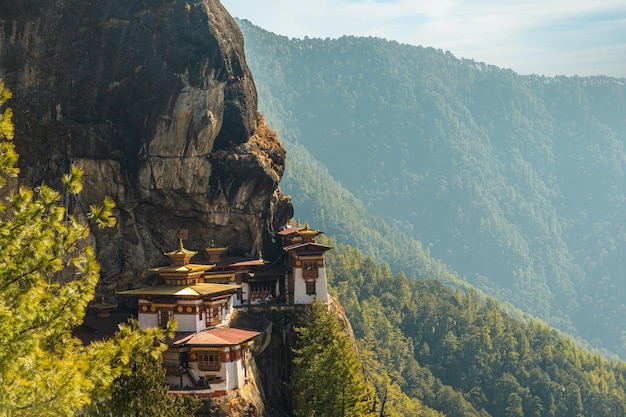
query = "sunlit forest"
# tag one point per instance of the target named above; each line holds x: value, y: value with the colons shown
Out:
x: 427, y: 347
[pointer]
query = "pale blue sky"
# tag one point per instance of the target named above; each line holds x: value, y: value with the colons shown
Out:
x: 549, y: 37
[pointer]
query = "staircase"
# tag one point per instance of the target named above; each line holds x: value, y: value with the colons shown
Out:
x: 192, y: 376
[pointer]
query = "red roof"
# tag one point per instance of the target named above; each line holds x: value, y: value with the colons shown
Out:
x: 252, y: 262
x: 290, y: 230
x: 219, y: 336
x: 227, y: 263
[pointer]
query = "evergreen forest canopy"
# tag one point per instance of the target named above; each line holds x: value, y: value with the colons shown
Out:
x: 430, y: 351
x: 515, y: 182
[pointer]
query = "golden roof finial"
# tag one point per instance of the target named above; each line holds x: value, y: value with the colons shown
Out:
x: 181, y: 256
x: 307, y: 232
x: 213, y: 253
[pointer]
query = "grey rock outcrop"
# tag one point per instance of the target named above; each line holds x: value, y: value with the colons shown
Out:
x: 154, y: 101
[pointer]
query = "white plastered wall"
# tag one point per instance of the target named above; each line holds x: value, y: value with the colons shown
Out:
x: 299, y: 292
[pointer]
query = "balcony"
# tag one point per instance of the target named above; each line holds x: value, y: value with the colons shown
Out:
x: 184, y: 381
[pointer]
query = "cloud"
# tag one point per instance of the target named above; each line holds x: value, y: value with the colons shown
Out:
x: 535, y: 36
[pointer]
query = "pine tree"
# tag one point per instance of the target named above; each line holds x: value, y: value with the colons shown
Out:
x: 44, y: 370
x: 141, y: 392
x: 328, y: 380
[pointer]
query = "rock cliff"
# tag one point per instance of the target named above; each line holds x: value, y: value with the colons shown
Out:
x: 274, y: 352
x: 154, y: 101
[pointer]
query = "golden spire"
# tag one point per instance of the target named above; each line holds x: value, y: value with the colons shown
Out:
x: 308, y: 233
x: 181, y: 256
x: 213, y: 253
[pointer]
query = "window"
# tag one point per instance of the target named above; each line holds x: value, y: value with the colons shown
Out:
x: 310, y: 287
x: 209, y: 361
x: 213, y: 315
x: 164, y: 316
x: 261, y: 292
x: 310, y: 270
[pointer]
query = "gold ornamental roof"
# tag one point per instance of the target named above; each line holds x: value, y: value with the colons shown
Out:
x: 180, y: 256
x: 181, y: 269
x: 307, y: 232
x: 197, y: 290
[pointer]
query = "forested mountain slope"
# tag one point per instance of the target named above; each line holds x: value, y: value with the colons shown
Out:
x: 517, y: 182
x: 428, y: 347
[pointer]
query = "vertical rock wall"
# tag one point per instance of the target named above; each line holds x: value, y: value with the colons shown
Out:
x: 154, y: 101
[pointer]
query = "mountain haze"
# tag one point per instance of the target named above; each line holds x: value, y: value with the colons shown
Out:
x: 515, y: 182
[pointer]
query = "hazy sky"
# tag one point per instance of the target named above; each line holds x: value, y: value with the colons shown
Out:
x: 549, y: 37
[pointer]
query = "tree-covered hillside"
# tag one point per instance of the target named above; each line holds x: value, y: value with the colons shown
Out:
x: 429, y: 347
x: 516, y: 182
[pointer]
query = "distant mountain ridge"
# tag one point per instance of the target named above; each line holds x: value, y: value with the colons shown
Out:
x: 516, y: 182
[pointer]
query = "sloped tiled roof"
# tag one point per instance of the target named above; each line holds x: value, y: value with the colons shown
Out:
x: 181, y: 268
x: 219, y: 336
x: 289, y: 231
x: 200, y: 289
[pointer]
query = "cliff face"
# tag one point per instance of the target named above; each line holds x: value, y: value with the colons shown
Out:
x: 274, y: 351
x: 154, y: 101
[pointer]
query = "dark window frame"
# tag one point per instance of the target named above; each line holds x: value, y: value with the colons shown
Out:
x: 164, y: 315
x: 209, y: 361
x: 310, y: 287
